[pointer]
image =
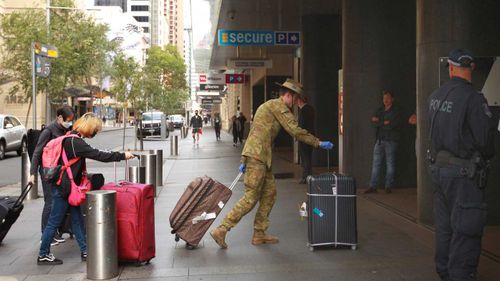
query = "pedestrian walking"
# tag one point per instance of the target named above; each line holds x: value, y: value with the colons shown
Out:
x: 59, y: 127
x: 306, y: 121
x: 74, y: 147
x: 235, y: 129
x: 256, y: 159
x: 241, y: 131
x: 196, y: 125
x: 386, y: 120
x: 217, y: 125
x: 461, y: 143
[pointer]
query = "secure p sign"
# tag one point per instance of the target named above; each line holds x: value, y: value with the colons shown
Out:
x: 281, y: 38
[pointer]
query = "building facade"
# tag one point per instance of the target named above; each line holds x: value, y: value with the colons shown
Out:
x: 174, y: 14
x: 119, y: 3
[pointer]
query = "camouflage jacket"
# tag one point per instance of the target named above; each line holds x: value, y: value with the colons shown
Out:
x: 268, y: 120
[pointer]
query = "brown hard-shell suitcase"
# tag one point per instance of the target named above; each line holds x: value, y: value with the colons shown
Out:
x: 198, y: 207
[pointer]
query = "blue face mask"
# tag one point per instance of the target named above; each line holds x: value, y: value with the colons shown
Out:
x: 67, y: 124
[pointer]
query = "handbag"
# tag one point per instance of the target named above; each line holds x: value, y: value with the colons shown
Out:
x: 78, y: 192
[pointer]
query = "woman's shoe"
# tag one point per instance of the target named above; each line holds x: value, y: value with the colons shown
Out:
x: 84, y: 256
x: 48, y: 260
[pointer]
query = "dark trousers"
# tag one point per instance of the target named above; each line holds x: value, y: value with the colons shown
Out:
x: 460, y: 216
x: 47, y: 201
x: 217, y: 132
x: 305, y: 152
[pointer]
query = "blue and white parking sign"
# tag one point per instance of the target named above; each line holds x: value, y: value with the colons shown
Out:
x: 258, y: 38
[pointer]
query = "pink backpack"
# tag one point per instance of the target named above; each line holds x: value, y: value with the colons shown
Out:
x: 52, y: 171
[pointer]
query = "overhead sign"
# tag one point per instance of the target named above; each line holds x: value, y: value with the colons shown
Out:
x: 207, y: 93
x: 45, y: 50
x: 211, y: 101
x: 212, y: 79
x: 235, y: 78
x: 212, y: 87
x: 258, y: 38
x: 249, y: 64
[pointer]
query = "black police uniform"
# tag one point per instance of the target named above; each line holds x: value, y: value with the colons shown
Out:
x: 461, y: 131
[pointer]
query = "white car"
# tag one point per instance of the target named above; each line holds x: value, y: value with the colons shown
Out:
x: 12, y: 135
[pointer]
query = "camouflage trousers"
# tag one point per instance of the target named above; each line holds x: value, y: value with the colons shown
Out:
x: 259, y: 187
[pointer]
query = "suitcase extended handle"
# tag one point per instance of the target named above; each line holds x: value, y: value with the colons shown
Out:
x: 24, y: 193
x: 235, y: 181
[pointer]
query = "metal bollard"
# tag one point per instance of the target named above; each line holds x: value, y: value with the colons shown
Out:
x: 136, y: 174
x: 149, y: 161
x: 174, y: 145
x: 25, y: 177
x: 102, y: 250
x: 159, y: 166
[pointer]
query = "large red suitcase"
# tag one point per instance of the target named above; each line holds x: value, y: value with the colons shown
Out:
x: 198, y: 207
x: 135, y: 220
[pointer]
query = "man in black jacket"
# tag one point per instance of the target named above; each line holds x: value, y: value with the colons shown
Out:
x: 386, y: 120
x: 306, y: 121
x: 196, y: 124
x: 59, y: 127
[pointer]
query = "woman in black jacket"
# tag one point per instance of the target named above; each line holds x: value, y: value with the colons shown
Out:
x: 86, y: 127
x: 59, y: 127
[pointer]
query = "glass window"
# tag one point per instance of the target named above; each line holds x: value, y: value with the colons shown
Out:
x: 142, y: 19
x: 7, y: 121
x: 140, y: 8
x: 15, y: 121
x: 152, y: 116
x: 145, y: 29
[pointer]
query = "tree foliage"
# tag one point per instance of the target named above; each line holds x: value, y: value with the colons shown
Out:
x: 82, y: 46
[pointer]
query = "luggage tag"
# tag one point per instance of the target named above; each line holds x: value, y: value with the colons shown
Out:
x: 204, y: 217
x: 318, y: 212
x: 303, y: 211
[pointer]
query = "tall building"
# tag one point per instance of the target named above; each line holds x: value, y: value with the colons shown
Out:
x: 174, y: 13
x: 119, y: 3
x: 151, y: 18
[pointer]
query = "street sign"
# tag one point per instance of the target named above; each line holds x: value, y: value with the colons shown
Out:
x: 212, y: 79
x: 211, y: 101
x: 45, y: 50
x: 249, y: 63
x: 42, y: 66
x: 207, y: 93
x: 258, y: 38
x: 212, y: 87
x: 235, y: 78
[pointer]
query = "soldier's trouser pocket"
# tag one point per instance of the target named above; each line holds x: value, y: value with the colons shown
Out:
x: 470, y: 218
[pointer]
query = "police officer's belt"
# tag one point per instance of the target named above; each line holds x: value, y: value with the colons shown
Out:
x: 445, y: 158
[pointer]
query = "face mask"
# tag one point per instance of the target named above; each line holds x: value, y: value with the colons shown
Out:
x: 67, y: 124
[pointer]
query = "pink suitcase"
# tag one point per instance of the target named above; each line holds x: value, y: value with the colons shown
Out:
x: 135, y: 215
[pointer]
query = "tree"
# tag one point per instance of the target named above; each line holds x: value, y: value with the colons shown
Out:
x: 164, y: 78
x: 82, y: 46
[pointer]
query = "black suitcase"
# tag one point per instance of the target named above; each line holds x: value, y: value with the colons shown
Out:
x: 10, y: 209
x: 332, y: 211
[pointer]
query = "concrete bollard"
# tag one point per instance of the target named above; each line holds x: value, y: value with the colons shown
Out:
x: 174, y: 145
x: 149, y: 161
x: 25, y: 177
x: 159, y: 166
x: 102, y: 249
x: 136, y: 174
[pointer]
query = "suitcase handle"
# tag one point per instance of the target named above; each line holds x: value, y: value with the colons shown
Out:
x: 235, y: 181
x: 24, y: 193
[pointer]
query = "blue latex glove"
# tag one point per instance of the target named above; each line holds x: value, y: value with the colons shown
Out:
x: 325, y: 144
x: 242, y: 168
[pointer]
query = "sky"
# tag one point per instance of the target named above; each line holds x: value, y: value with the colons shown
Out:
x: 201, y: 19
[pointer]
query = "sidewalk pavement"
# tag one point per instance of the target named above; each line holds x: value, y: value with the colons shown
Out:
x: 390, y: 246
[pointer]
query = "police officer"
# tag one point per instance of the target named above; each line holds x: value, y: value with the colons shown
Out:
x: 256, y: 159
x: 461, y: 143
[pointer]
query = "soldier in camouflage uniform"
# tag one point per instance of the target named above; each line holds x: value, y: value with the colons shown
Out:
x: 256, y: 163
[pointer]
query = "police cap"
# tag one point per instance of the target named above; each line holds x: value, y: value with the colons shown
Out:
x: 461, y: 58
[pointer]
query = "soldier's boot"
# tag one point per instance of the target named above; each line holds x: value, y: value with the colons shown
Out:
x: 219, y: 235
x: 260, y: 237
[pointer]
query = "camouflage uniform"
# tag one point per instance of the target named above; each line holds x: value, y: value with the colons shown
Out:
x: 257, y: 155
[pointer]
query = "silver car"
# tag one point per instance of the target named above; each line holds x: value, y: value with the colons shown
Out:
x: 12, y: 135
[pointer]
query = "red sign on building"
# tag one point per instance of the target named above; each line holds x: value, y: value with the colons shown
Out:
x: 203, y: 79
x: 235, y: 78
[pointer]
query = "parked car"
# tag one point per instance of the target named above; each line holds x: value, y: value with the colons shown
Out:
x: 177, y: 120
x: 12, y: 135
x: 151, y: 124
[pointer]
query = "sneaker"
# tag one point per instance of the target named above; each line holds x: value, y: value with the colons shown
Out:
x: 59, y: 238
x: 84, y: 256
x: 371, y: 190
x: 48, y: 260
x: 54, y: 242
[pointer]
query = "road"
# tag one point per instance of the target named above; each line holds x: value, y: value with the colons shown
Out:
x: 10, y: 167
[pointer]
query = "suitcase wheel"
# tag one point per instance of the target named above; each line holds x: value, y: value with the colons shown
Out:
x: 311, y: 248
x: 190, y: 247
x: 354, y: 247
x: 177, y: 238
x: 148, y: 261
